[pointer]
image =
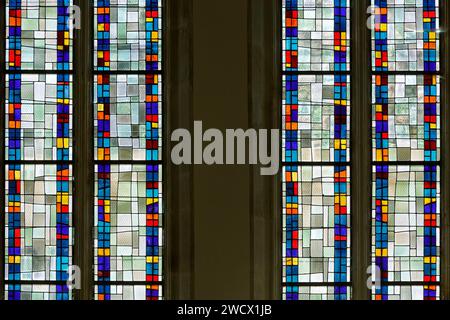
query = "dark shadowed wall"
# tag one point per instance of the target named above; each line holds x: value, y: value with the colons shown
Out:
x: 221, y: 193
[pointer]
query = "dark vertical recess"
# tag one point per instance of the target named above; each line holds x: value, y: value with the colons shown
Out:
x: 178, y: 180
x: 83, y: 198
x: 360, y: 146
x: 221, y: 193
x: 264, y: 28
x: 445, y: 150
x: 2, y: 149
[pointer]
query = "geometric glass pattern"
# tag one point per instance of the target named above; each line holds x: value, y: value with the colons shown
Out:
x: 38, y: 128
x: 406, y: 118
x: 309, y: 293
x: 133, y: 134
x: 130, y: 292
x: 128, y: 140
x: 406, y: 149
x: 41, y: 117
x: 39, y: 38
x: 129, y: 196
x: 43, y: 292
x: 316, y: 150
x: 311, y: 32
x: 405, y: 227
x: 311, y: 118
x: 309, y: 203
x: 133, y: 29
x: 41, y: 187
x: 404, y: 36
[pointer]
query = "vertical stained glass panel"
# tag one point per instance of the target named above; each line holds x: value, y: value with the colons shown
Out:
x: 134, y: 203
x: 44, y: 38
x: 44, y: 190
x: 46, y: 129
x: 42, y: 292
x: 316, y: 118
x: 128, y: 129
x: 128, y: 35
x: 317, y: 221
x: 405, y: 226
x: 406, y: 149
x: 406, y: 118
x: 405, y: 35
x: 316, y: 149
x: 134, y: 116
x: 410, y: 292
x: 38, y: 128
x: 316, y: 35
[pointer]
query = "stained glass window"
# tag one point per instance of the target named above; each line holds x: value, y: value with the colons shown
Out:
x: 406, y: 149
x: 316, y: 137
x: 406, y: 117
x: 128, y: 129
x: 38, y: 149
x: 404, y: 35
x: 312, y: 31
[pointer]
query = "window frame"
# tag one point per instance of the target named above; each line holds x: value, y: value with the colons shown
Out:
x: 4, y: 161
x: 445, y: 150
x: 265, y: 79
x: 177, y: 112
x: 361, y: 152
x: 264, y: 22
x: 2, y: 147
